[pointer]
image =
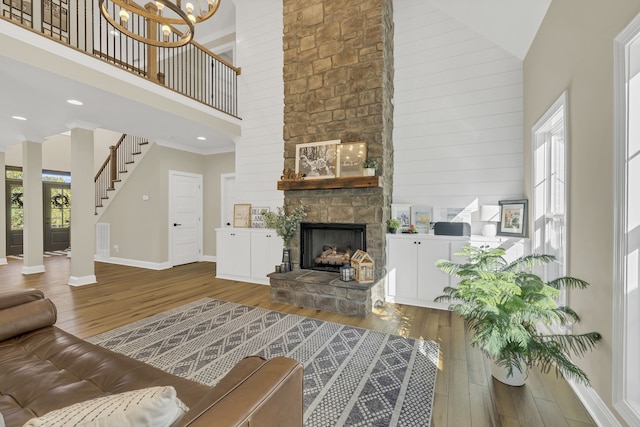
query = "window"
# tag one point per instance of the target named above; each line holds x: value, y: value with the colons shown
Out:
x: 626, y: 208
x: 550, y: 190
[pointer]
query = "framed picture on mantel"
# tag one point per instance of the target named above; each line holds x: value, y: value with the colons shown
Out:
x: 317, y: 160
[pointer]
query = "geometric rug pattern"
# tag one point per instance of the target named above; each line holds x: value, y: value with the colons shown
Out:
x: 352, y: 376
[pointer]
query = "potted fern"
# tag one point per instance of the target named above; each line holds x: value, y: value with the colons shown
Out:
x: 505, y: 305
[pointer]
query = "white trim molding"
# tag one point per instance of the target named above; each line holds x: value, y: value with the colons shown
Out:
x: 82, y: 280
x: 625, y: 370
x: 135, y: 263
x: 34, y: 269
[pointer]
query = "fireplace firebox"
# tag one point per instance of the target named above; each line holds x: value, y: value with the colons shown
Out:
x: 328, y: 246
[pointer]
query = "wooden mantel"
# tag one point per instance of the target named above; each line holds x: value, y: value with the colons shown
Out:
x: 332, y: 183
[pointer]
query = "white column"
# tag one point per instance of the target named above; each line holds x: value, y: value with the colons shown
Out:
x: 33, y: 232
x: 83, y: 232
x: 3, y: 211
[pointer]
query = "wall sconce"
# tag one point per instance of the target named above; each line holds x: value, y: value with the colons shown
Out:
x: 490, y: 214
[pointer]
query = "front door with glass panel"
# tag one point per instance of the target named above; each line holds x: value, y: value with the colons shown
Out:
x: 57, y: 215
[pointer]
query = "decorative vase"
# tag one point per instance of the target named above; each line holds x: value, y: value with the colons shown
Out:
x: 286, y: 260
x: 516, y: 379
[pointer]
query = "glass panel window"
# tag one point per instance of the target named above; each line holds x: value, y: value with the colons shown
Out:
x: 549, y: 189
x: 16, y: 208
x: 61, y: 208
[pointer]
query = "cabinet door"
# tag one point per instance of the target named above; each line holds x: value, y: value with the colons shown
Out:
x: 402, y: 268
x: 266, y: 253
x: 431, y: 280
x: 232, y: 253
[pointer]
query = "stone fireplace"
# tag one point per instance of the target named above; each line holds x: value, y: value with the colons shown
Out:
x: 338, y: 83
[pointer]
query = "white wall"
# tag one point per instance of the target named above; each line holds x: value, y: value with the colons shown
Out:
x: 259, y: 151
x: 458, y: 121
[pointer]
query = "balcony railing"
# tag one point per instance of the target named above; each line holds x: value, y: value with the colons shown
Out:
x: 190, y: 70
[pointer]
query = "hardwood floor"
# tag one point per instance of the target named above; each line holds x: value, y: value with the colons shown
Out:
x: 466, y: 395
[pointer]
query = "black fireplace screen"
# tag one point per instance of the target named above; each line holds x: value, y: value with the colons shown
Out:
x: 327, y: 246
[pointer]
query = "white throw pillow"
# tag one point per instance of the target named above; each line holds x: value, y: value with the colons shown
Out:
x: 1, y: 420
x: 149, y: 407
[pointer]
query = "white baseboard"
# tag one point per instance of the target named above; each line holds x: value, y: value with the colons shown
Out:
x: 82, y: 280
x: 134, y: 263
x: 3, y: 261
x: 34, y: 269
x: 209, y: 258
x: 596, y: 407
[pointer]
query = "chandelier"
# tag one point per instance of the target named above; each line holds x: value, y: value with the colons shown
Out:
x: 162, y: 23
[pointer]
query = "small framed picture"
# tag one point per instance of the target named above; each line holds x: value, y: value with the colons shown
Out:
x: 513, y: 218
x: 403, y: 214
x: 350, y: 158
x: 242, y: 216
x: 257, y: 220
x: 421, y: 217
x: 317, y: 160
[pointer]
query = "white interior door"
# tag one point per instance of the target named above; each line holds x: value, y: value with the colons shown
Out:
x: 185, y: 221
x: 227, y: 193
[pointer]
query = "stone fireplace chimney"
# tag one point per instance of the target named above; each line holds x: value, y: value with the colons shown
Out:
x: 338, y: 84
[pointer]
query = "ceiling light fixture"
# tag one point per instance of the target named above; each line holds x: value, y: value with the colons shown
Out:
x: 202, y: 138
x: 19, y: 118
x: 155, y: 22
x: 74, y: 102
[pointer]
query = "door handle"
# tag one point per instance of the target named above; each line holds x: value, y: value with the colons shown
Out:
x: 175, y: 224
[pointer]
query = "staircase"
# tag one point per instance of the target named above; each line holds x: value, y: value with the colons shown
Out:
x: 112, y: 174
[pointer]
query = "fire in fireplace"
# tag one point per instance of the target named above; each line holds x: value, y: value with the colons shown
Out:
x: 327, y: 246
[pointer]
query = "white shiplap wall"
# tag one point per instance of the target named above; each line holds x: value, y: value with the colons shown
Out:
x: 458, y: 121
x: 259, y: 151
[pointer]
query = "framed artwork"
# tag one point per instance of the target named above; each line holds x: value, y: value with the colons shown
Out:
x: 242, y: 216
x: 403, y: 214
x: 513, y: 218
x: 317, y: 160
x: 350, y: 158
x: 422, y: 217
x: 257, y: 220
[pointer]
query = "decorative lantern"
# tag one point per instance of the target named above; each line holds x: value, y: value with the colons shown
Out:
x: 364, y: 267
x: 346, y: 272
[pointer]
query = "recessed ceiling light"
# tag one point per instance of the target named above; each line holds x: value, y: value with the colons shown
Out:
x: 18, y: 117
x: 74, y: 102
x: 202, y: 138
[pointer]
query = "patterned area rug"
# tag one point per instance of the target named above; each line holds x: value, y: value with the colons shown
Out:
x: 352, y: 376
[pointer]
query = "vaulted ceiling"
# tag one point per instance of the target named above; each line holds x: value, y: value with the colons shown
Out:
x: 39, y: 93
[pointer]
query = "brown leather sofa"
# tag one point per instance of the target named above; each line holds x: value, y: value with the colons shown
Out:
x: 43, y: 368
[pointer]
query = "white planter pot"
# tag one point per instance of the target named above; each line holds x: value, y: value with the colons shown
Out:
x: 517, y: 379
x: 369, y: 172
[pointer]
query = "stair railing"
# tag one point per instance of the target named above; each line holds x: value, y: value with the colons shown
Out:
x: 191, y: 70
x: 120, y: 155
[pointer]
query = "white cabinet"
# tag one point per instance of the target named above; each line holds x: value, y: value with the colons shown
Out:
x: 266, y: 253
x: 247, y: 254
x: 232, y: 254
x: 413, y: 277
